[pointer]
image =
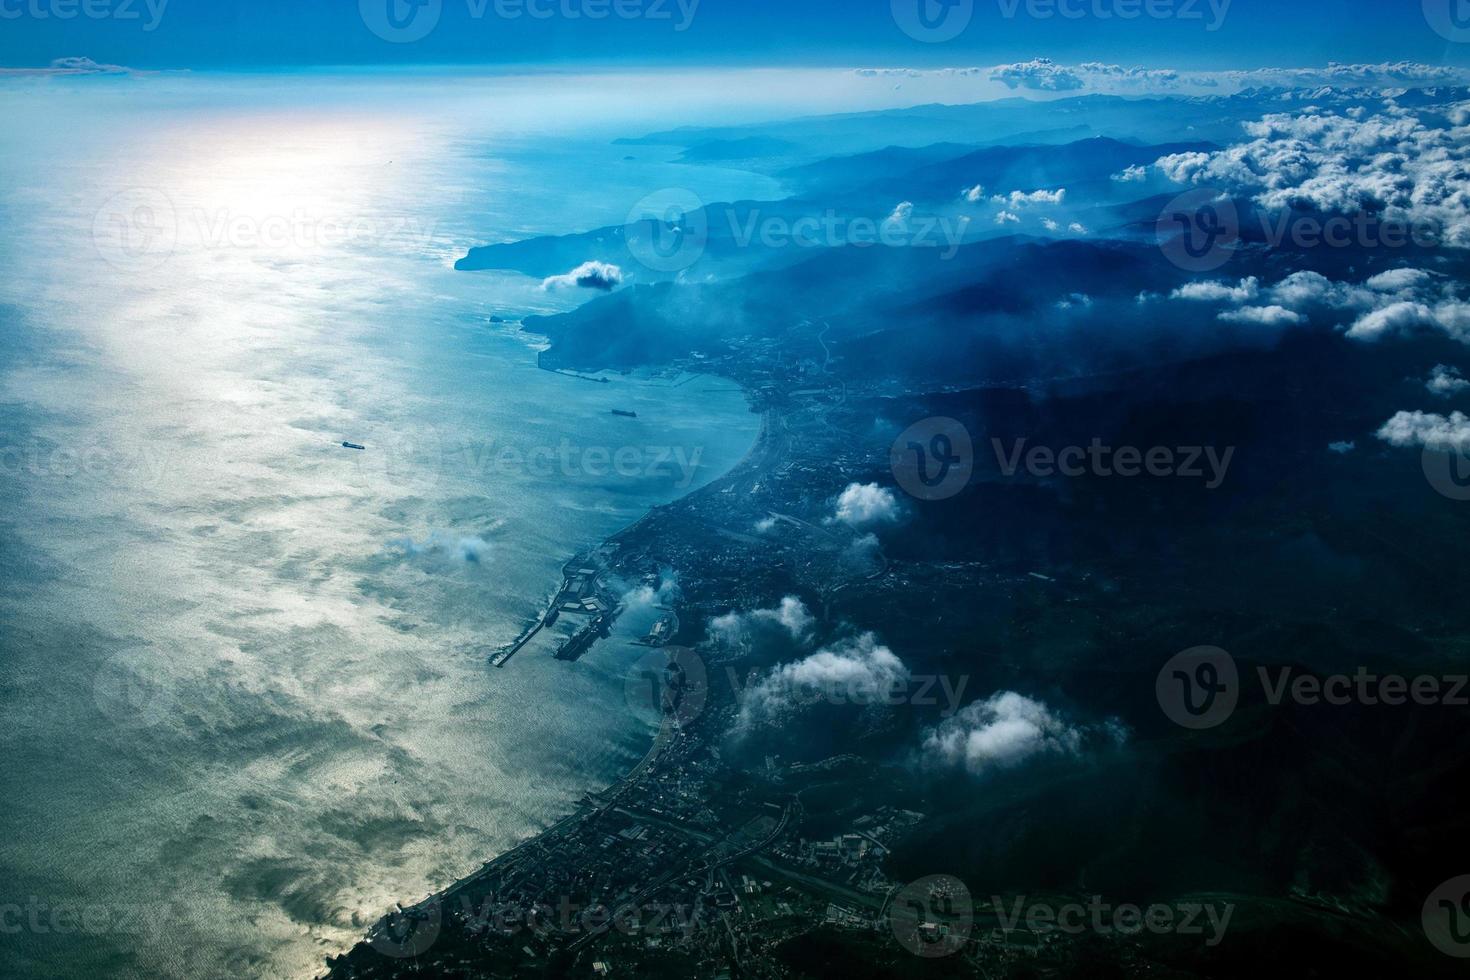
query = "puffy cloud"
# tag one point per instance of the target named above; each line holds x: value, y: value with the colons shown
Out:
x: 71, y: 66
x: 1400, y: 165
x: 1019, y: 199
x: 1398, y: 301
x: 1216, y: 292
x: 1401, y: 317
x: 1050, y: 225
x: 1415, y: 429
x: 1041, y: 75
x: 974, y: 194
x: 469, y: 549
x: 862, y: 505
x: 1263, y: 316
x: 1007, y: 218
x: 791, y: 615
x: 902, y: 213
x: 1396, y: 280
x: 860, y: 671
x: 1077, y: 228
x: 1006, y: 730
x: 589, y: 275
x: 1131, y: 175
x: 1446, y: 381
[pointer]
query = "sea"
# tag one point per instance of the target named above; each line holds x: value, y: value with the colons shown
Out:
x: 245, y: 704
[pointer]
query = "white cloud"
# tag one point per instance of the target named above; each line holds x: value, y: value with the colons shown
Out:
x: 860, y: 671
x: 1004, y: 731
x: 902, y: 213
x: 1077, y: 228
x: 1006, y: 217
x: 1414, y: 429
x: 1402, y: 165
x: 1401, y: 317
x: 1019, y: 199
x: 470, y: 549
x: 1041, y: 75
x: 1050, y: 225
x: 1342, y: 448
x: 1265, y: 316
x: 974, y: 194
x: 1396, y: 280
x: 790, y: 616
x: 1131, y: 175
x: 861, y: 505
x: 1216, y: 292
x: 1446, y: 381
x: 589, y: 275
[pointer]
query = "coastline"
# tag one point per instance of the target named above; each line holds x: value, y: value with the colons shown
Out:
x: 433, y: 904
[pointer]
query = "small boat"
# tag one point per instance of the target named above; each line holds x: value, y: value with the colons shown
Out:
x: 624, y: 413
x: 353, y: 445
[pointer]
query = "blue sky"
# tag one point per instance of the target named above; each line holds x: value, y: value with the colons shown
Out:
x: 261, y: 33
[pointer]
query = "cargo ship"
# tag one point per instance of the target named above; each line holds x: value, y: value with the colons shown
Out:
x: 353, y: 445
